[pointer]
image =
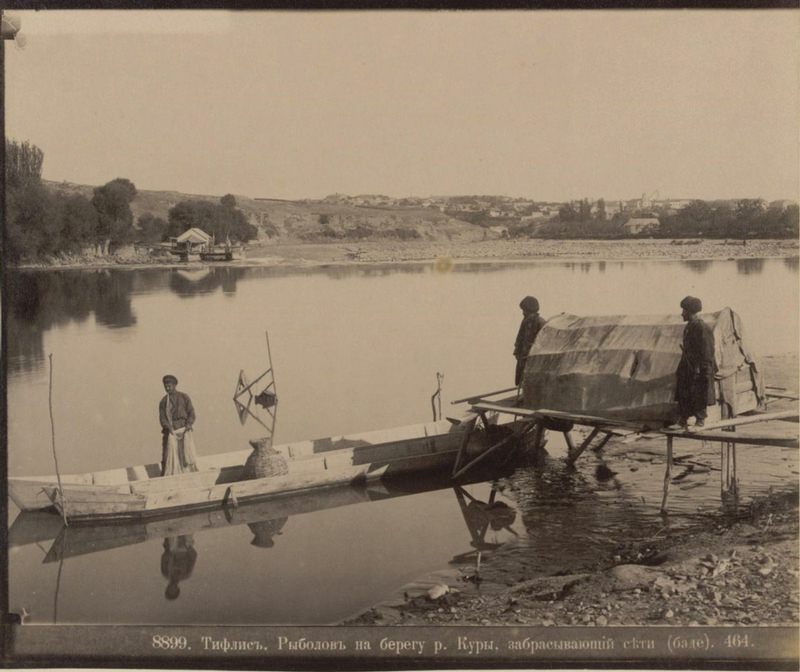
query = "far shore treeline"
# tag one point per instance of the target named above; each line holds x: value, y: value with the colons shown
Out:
x: 43, y: 223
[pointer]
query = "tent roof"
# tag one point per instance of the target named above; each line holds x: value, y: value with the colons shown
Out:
x: 193, y: 235
x: 625, y: 365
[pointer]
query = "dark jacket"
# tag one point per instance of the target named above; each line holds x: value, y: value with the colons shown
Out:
x: 181, y: 412
x: 529, y: 328
x: 694, y: 388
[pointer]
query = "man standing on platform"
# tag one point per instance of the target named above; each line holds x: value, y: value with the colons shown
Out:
x: 694, y: 390
x: 531, y: 325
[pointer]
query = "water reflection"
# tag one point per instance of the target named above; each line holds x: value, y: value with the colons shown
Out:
x: 572, y: 518
x: 40, y: 301
x: 188, y: 283
x: 177, y: 563
x: 480, y: 517
x: 697, y: 265
x: 749, y: 266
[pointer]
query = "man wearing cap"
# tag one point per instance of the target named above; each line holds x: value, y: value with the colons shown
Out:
x: 530, y: 326
x: 694, y: 389
x: 176, y: 413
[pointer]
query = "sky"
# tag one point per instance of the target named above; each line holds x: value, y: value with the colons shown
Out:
x: 548, y: 105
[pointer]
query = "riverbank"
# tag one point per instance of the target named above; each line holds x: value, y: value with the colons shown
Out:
x: 742, y: 572
x: 378, y: 252
x: 734, y: 568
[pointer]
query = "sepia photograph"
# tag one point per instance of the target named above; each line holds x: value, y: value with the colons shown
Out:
x: 388, y: 339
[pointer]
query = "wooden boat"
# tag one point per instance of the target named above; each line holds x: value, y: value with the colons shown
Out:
x: 42, y: 527
x: 140, y: 492
x: 222, y: 253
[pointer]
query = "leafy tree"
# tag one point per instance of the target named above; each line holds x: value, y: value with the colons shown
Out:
x: 115, y: 219
x: 153, y: 229
x: 601, y: 210
x: 33, y: 223
x: 79, y: 221
x: 228, y: 200
x: 568, y: 213
x: 584, y: 210
x: 222, y: 221
x: 23, y: 163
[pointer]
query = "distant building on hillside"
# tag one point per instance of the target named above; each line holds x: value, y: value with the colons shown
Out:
x: 637, y: 225
x: 782, y: 204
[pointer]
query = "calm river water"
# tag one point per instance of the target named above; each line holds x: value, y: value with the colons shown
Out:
x: 353, y: 348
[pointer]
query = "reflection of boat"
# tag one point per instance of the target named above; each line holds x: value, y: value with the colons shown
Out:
x: 223, y: 253
x: 140, y: 492
x: 265, y: 518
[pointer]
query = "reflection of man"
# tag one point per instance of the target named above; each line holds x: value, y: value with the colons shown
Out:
x: 176, y: 414
x: 694, y: 389
x: 177, y: 562
x: 530, y: 326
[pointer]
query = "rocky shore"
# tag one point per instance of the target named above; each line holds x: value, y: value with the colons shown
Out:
x: 732, y: 569
x: 387, y: 251
x: 740, y: 572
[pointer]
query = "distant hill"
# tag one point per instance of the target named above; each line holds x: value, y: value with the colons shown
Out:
x: 313, y: 221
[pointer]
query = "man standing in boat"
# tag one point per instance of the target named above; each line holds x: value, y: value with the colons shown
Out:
x: 694, y: 389
x: 176, y: 413
x: 529, y: 328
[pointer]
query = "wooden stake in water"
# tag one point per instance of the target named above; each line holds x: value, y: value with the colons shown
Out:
x: 53, y: 437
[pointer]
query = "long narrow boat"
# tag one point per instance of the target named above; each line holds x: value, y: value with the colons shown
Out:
x: 140, y: 492
x: 47, y: 527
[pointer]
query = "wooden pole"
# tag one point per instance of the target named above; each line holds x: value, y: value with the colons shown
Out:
x: 53, y: 439
x: 667, y: 475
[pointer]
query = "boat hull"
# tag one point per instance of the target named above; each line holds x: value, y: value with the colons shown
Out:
x: 133, y: 493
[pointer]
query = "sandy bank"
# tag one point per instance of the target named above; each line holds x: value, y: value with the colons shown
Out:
x: 378, y: 252
x: 520, y: 250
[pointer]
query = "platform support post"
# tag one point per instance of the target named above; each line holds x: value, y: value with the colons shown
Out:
x: 667, y: 475
x: 574, y: 453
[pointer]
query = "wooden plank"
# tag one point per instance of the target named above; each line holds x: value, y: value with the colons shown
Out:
x: 667, y: 475
x: 577, y: 418
x: 741, y: 437
x: 732, y: 422
x: 189, y: 479
x: 484, y: 394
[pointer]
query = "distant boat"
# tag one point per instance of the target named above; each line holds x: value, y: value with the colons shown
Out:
x: 223, y: 253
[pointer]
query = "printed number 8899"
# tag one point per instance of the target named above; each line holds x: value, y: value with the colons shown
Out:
x: 169, y: 642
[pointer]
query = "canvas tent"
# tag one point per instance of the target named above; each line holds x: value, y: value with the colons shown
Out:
x: 624, y: 366
x: 193, y: 239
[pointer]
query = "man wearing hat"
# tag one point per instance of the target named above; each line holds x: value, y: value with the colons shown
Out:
x: 176, y: 413
x: 694, y: 389
x: 530, y: 326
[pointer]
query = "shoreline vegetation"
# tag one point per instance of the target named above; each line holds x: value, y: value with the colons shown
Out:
x: 65, y: 224
x: 443, y: 253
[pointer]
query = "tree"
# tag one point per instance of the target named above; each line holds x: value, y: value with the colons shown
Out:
x: 115, y: 219
x: 584, y: 210
x: 33, y: 222
x: 23, y: 163
x: 152, y: 229
x: 567, y: 212
x: 228, y: 200
x: 79, y: 221
x: 601, y: 210
x: 222, y: 221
